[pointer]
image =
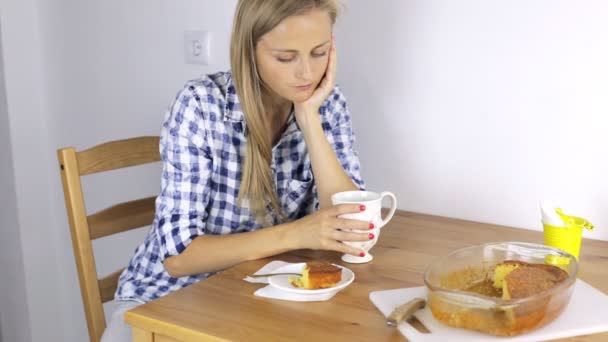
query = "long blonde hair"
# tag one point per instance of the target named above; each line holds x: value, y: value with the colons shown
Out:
x: 253, y: 19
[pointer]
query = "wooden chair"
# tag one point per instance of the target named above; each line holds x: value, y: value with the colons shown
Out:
x: 115, y: 219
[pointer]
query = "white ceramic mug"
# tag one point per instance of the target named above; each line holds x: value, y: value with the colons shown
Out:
x: 372, y: 213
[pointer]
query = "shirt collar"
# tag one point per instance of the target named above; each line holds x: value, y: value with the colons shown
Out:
x: 232, y: 107
x: 233, y: 111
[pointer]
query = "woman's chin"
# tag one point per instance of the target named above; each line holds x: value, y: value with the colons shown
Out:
x: 301, y: 96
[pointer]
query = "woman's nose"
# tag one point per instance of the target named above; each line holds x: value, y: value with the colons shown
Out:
x: 304, y: 69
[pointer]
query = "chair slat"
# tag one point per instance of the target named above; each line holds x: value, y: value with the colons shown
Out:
x: 81, y: 242
x: 121, y: 217
x: 118, y: 154
x: 108, y: 285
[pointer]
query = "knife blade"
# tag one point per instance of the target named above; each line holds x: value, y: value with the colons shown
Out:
x: 273, y: 274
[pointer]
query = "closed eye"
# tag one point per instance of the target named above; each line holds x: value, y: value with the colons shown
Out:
x: 285, y: 60
x: 293, y: 58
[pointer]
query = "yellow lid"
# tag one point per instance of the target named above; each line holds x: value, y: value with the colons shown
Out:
x: 574, y: 220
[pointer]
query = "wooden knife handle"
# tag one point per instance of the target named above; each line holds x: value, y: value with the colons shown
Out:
x: 405, y: 311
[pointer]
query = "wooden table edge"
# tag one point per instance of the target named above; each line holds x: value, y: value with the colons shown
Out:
x: 145, y: 328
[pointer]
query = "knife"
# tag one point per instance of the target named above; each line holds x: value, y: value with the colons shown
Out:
x: 273, y: 274
x: 404, y: 311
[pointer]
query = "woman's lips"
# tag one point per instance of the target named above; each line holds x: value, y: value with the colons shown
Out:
x: 303, y: 87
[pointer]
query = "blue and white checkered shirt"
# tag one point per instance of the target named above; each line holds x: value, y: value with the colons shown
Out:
x: 202, y: 146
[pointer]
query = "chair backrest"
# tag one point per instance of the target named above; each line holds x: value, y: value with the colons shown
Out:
x: 118, y: 218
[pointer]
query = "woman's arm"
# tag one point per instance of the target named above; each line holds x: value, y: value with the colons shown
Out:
x: 208, y: 253
x: 330, y: 176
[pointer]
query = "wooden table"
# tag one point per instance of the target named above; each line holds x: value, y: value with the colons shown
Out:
x: 223, y: 307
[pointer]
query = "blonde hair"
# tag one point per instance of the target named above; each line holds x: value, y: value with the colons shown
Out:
x: 253, y: 19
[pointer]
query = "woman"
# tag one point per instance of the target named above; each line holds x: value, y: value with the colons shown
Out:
x: 264, y: 146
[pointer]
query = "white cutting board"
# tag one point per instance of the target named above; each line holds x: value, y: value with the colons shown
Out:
x: 587, y: 313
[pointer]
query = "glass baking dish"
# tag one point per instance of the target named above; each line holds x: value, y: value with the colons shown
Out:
x: 448, y: 278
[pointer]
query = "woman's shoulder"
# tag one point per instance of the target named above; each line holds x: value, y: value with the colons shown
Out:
x: 209, y: 87
x: 199, y: 103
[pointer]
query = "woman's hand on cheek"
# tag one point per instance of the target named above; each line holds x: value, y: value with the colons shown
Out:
x: 310, y: 107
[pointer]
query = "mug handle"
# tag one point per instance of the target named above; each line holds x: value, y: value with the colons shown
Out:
x: 393, y: 206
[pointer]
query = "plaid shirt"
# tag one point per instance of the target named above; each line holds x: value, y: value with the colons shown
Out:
x: 202, y: 146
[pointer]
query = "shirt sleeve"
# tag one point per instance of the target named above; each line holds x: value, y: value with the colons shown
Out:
x: 187, y: 166
x: 338, y: 129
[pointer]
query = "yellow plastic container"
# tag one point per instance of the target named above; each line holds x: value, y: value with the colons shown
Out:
x: 569, y: 237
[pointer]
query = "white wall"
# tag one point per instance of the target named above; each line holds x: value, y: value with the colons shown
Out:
x: 479, y: 109
x: 25, y: 97
x: 78, y: 73
x: 14, y: 318
x: 454, y: 94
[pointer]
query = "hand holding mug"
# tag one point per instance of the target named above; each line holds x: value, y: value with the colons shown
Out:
x: 328, y: 229
x: 372, y: 213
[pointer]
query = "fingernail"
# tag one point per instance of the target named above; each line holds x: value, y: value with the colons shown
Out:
x: 371, y: 225
x: 371, y: 236
x: 361, y: 254
x: 362, y: 207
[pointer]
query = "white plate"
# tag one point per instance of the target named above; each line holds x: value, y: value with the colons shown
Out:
x: 282, y: 281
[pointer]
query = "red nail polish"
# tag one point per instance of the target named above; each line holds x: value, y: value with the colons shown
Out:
x: 371, y: 236
x: 371, y: 226
x: 362, y: 254
x: 362, y: 207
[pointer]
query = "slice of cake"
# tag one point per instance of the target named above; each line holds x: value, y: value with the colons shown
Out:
x: 318, y: 275
x: 518, y: 279
x: 502, y: 270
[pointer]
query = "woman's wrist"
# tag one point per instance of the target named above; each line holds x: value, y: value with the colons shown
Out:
x: 308, y: 119
x: 289, y: 236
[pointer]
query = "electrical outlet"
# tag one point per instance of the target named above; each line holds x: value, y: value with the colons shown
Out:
x: 197, y: 47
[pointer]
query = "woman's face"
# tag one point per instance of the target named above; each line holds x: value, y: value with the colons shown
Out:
x: 292, y: 57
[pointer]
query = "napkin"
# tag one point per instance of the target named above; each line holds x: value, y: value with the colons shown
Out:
x: 276, y: 293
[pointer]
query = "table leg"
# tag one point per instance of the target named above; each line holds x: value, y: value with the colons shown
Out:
x: 140, y: 335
